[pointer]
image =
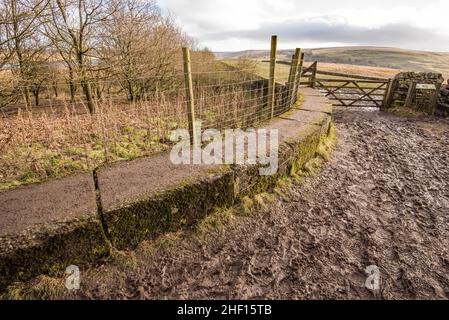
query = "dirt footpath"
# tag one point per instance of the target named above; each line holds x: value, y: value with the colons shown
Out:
x: 382, y: 200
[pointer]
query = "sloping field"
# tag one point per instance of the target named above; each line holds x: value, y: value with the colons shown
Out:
x: 391, y: 58
x: 385, y: 57
x: 357, y: 70
x: 282, y: 70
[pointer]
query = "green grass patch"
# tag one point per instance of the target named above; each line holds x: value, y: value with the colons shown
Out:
x: 215, y: 222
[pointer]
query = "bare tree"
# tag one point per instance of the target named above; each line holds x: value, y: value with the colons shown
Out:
x: 64, y: 51
x: 73, y: 28
x: 142, y: 46
x: 42, y: 73
x: 22, y: 44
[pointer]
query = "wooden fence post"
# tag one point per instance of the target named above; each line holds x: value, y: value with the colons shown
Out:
x: 298, y: 80
x: 292, y: 77
x: 313, y: 76
x: 189, y: 95
x: 271, y: 82
x: 387, y: 94
x: 392, y: 91
x: 411, y: 91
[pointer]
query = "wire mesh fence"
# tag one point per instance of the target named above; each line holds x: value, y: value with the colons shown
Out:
x: 133, y: 117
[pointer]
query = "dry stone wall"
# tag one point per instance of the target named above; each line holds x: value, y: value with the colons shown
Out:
x: 418, y: 90
x: 443, y: 103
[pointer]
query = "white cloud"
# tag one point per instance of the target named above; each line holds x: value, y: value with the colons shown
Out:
x: 241, y: 24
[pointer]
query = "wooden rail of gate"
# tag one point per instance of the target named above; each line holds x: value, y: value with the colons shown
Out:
x: 354, y: 93
x: 348, y: 90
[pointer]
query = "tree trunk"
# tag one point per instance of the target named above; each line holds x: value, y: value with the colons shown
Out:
x: 88, y: 94
x: 130, y: 91
x: 98, y: 92
x: 55, y: 90
x: 72, y: 85
x: 84, y: 83
x: 26, y: 95
x: 36, y: 97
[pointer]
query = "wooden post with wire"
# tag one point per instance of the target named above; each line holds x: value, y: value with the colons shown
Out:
x: 271, y: 82
x: 298, y: 80
x: 189, y: 95
x: 293, y: 77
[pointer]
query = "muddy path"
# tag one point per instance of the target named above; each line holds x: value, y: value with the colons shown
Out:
x: 383, y: 200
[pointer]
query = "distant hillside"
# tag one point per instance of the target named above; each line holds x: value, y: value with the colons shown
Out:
x: 407, y: 60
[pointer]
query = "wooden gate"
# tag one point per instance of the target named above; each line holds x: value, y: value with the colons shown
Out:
x: 348, y: 90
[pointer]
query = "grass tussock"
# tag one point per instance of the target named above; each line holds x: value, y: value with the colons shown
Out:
x: 407, y: 112
x: 41, y: 288
x: 124, y: 260
x: 283, y: 187
x: 246, y: 206
x: 323, y: 153
x: 215, y: 222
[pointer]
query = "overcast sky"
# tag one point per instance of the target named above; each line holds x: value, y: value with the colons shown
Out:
x: 231, y: 25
